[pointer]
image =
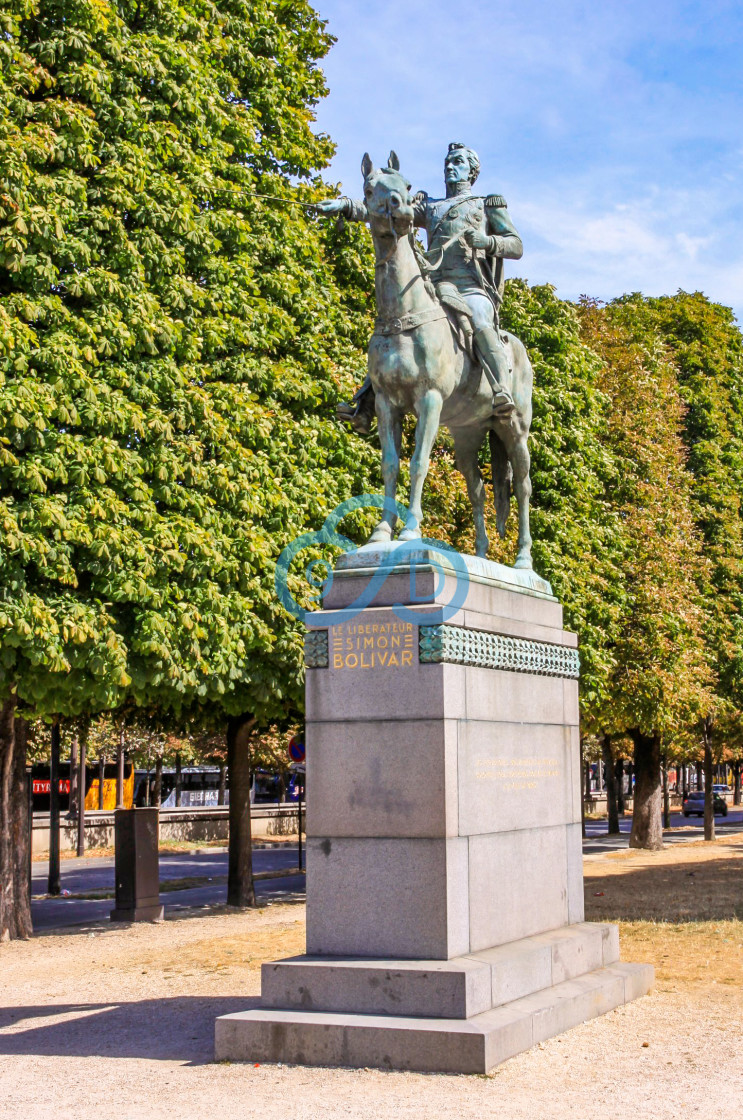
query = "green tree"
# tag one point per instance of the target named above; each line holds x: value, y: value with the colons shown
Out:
x: 707, y: 347
x: 171, y: 347
x: 660, y: 680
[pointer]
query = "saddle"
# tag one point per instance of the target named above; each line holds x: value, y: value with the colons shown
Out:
x: 459, y: 315
x: 360, y: 412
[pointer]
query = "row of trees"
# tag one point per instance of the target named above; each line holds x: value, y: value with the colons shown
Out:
x: 638, y: 483
x: 171, y: 347
x: 172, y: 344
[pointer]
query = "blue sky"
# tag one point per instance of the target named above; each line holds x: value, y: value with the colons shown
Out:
x: 614, y: 129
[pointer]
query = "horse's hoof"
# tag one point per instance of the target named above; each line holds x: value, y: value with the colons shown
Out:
x: 380, y: 535
x: 482, y: 548
x: 523, y: 561
x: 410, y: 535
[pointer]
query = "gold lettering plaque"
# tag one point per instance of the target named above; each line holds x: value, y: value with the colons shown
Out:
x: 372, y: 645
x: 517, y: 773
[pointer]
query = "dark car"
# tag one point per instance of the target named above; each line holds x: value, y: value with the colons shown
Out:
x: 694, y: 804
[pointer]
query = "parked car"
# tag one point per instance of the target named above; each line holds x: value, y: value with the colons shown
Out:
x: 721, y: 788
x: 694, y: 804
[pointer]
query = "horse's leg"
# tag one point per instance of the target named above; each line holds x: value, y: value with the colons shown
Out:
x: 429, y: 410
x: 389, y: 424
x: 518, y: 453
x: 466, y: 448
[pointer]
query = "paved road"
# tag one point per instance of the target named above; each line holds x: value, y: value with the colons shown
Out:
x: 79, y: 876
x: 682, y: 829
x: 84, y: 875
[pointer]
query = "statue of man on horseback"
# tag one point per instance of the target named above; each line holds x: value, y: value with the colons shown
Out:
x: 437, y: 350
x: 469, y: 236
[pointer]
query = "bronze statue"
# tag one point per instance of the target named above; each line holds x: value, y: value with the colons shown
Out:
x: 437, y: 349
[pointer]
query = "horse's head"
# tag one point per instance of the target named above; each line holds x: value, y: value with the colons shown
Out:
x: 387, y: 197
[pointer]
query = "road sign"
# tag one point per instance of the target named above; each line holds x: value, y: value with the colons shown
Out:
x: 296, y: 748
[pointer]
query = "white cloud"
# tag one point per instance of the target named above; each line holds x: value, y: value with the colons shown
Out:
x: 612, y: 129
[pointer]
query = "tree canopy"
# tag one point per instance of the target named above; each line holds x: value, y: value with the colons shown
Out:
x: 172, y: 345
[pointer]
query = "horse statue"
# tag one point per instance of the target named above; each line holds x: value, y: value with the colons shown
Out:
x: 420, y: 363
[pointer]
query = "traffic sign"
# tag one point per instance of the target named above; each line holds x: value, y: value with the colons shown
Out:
x: 296, y: 748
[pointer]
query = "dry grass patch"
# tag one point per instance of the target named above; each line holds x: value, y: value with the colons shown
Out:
x: 693, y: 882
x: 688, y: 954
x: 679, y: 909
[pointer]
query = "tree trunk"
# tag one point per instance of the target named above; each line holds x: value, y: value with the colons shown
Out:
x: 666, y: 798
x: 709, y: 803
x: 54, y: 883
x: 240, y: 887
x: 81, y: 795
x: 74, y: 776
x: 699, y: 775
x: 15, y: 896
x: 736, y: 782
x: 630, y: 776
x: 222, y: 783
x: 619, y: 771
x: 611, y: 785
x: 101, y: 779
x: 177, y: 779
x: 157, y: 793
x: 587, y: 772
x: 582, y: 798
x: 120, y: 770
x: 647, y: 823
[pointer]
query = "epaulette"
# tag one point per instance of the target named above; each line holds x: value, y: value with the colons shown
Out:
x: 496, y: 200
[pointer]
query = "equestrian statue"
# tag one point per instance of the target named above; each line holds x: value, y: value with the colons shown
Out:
x: 437, y: 350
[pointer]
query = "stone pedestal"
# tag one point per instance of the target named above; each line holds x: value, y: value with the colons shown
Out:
x: 137, y: 867
x: 444, y: 869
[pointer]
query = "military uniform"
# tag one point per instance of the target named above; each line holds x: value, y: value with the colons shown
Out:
x: 477, y: 274
x: 446, y: 220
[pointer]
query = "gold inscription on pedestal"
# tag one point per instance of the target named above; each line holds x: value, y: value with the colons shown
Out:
x: 372, y: 645
x: 517, y: 773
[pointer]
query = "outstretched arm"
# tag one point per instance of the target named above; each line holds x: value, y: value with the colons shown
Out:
x: 350, y: 208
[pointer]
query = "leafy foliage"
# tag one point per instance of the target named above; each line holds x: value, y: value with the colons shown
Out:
x: 660, y: 679
x: 170, y: 348
x: 707, y: 347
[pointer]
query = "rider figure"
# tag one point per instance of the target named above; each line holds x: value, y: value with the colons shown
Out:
x: 469, y: 236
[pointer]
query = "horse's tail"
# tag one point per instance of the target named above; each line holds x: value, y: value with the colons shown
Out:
x: 502, y: 476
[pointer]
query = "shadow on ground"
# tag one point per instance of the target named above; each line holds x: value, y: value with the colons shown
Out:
x: 176, y: 910
x: 671, y: 886
x: 177, y: 1029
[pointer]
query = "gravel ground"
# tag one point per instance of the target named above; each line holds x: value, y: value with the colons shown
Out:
x: 119, y: 1021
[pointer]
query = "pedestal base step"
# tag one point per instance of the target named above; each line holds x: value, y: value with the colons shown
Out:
x: 473, y: 1045
x: 455, y: 989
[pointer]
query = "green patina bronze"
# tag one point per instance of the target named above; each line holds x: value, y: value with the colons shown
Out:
x: 437, y: 350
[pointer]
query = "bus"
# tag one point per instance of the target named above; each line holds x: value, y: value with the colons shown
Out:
x: 41, y: 780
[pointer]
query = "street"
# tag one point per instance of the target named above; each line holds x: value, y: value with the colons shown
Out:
x: 93, y: 874
x: 682, y: 829
x: 210, y: 868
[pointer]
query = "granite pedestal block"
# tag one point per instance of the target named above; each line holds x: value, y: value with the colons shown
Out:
x: 444, y: 868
